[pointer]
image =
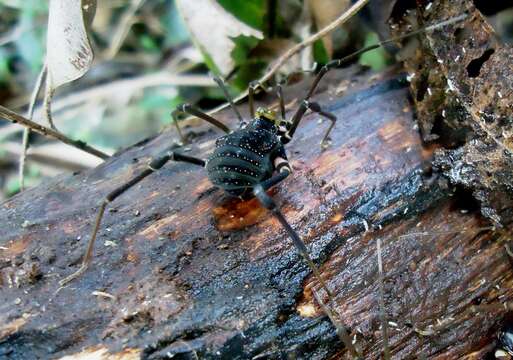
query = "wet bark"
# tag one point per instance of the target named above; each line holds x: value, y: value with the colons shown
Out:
x: 182, y: 270
x: 462, y: 81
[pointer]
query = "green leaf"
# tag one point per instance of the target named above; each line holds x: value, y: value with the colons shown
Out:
x: 375, y: 59
x: 251, y: 12
x: 319, y: 52
x: 209, y: 61
x: 148, y: 43
x: 5, y: 73
x: 243, y: 46
x: 202, y: 17
x: 248, y: 68
x: 175, y: 29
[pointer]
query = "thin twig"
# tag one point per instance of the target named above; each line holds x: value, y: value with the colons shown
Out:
x: 103, y: 91
x: 341, y: 329
x: 47, y: 102
x: 55, y: 154
x: 326, y: 30
x: 23, y: 158
x: 130, y: 85
x: 126, y: 22
x: 43, y: 130
x: 382, y: 315
x: 26, y: 131
x: 348, y: 14
x: 353, y: 10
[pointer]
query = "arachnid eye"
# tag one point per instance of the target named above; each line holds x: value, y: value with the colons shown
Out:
x: 266, y: 114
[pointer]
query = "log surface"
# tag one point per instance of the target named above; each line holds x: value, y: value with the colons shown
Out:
x: 183, y: 271
x: 462, y: 81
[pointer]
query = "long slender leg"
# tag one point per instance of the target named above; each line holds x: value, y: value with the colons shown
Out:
x: 153, y: 166
x: 305, y: 104
x: 251, y: 97
x: 269, y: 183
x: 339, y: 62
x: 191, y: 110
x: 279, y: 94
x: 283, y: 167
x: 340, y: 328
x: 268, y: 202
x: 175, y: 116
x: 298, y: 116
x: 315, y: 107
x: 222, y: 85
x: 333, y: 64
x: 294, y: 122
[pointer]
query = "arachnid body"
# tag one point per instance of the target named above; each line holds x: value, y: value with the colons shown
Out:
x: 246, y: 158
x: 245, y: 162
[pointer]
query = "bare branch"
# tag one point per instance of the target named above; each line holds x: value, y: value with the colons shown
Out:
x: 352, y: 11
x: 26, y: 131
x: 43, y: 130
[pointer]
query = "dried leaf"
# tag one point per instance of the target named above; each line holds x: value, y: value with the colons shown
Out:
x: 214, y: 31
x: 89, y: 9
x: 324, y: 12
x: 69, y: 53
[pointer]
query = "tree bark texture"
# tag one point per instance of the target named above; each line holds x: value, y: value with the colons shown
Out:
x: 462, y: 81
x: 182, y: 271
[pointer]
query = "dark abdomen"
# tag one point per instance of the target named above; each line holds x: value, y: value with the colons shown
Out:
x: 239, y: 162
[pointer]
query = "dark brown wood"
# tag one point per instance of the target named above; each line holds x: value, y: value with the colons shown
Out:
x: 181, y: 270
x: 462, y: 84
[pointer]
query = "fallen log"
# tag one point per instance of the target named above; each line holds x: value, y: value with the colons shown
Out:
x: 183, y: 271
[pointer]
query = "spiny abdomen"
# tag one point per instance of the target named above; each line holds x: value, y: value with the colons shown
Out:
x: 239, y: 162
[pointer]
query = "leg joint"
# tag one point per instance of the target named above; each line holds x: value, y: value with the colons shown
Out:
x: 332, y: 64
x: 285, y: 138
x: 314, y: 107
x: 183, y: 107
x: 254, y: 84
x: 281, y: 165
x: 265, y: 199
